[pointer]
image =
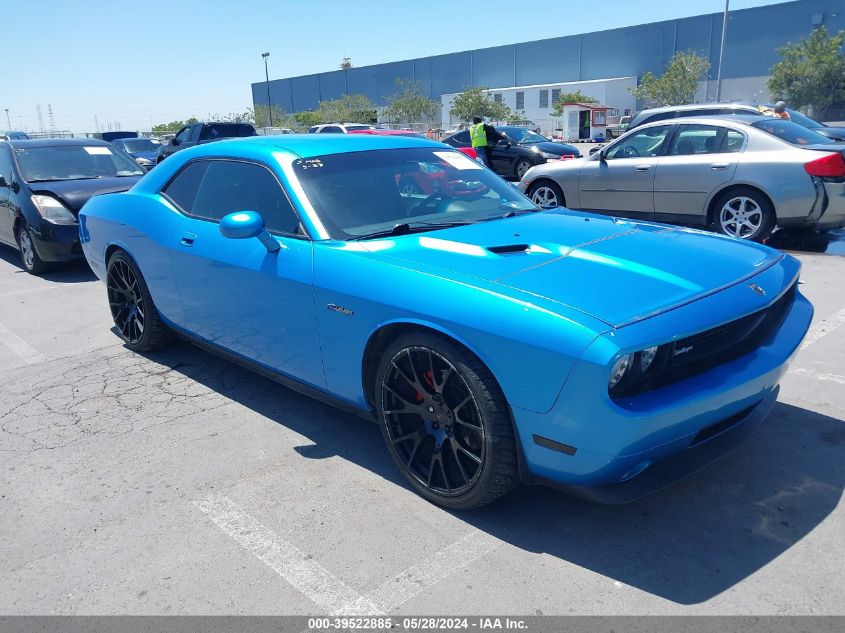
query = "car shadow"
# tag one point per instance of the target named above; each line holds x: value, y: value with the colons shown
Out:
x: 68, y: 273
x: 686, y: 544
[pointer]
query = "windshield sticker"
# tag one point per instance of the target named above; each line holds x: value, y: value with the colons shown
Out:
x: 310, y: 163
x: 98, y: 150
x: 458, y: 160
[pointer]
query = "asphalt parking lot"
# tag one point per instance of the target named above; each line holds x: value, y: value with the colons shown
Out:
x: 177, y: 483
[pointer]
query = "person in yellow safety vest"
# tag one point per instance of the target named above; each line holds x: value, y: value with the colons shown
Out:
x: 482, y: 136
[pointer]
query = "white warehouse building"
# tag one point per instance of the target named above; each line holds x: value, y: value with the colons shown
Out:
x: 535, y: 102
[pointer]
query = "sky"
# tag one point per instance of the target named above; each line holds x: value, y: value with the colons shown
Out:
x: 134, y: 64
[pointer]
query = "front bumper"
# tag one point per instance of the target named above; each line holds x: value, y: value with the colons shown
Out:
x: 619, y: 451
x: 57, y: 242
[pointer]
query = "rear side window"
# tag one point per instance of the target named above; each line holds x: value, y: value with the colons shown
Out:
x: 229, y: 186
x: 331, y: 129
x: 660, y: 116
x: 313, y: 129
x: 182, y: 190
x: 226, y: 130
x: 733, y: 142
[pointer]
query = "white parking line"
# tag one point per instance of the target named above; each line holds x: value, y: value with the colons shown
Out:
x: 418, y: 578
x: 291, y: 563
x: 326, y: 590
x: 817, y: 375
x: 823, y: 328
x: 20, y: 347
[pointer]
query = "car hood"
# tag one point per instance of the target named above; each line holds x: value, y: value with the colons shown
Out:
x: 75, y: 193
x: 552, y: 147
x: 617, y: 271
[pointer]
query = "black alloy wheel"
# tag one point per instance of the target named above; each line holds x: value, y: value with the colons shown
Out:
x: 131, y: 305
x: 445, y: 422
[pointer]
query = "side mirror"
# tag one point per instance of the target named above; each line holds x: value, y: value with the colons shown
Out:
x: 3, y: 182
x: 243, y: 225
x: 175, y: 141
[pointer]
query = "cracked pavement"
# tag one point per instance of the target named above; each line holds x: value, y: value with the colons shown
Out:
x: 106, y: 457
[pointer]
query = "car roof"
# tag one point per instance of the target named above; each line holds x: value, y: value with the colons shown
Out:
x: 694, y: 106
x: 309, y: 145
x: 53, y: 142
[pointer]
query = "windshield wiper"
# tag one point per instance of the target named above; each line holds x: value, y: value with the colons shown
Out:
x: 405, y: 228
x: 64, y: 179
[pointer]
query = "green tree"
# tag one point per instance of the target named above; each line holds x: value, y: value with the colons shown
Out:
x: 306, y: 119
x: 409, y: 104
x: 354, y: 108
x: 570, y: 97
x: 478, y: 102
x: 811, y: 72
x: 260, y: 116
x: 173, y: 126
x: 677, y: 85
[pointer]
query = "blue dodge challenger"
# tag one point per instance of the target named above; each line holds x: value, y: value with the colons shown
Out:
x: 493, y: 341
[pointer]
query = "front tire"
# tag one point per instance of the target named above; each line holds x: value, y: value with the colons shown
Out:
x: 32, y: 263
x: 546, y: 193
x: 744, y: 213
x: 445, y: 421
x: 133, y: 311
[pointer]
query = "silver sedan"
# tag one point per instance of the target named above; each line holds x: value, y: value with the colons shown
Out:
x: 741, y: 176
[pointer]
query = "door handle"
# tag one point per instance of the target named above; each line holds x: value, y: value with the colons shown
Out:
x: 719, y: 165
x: 188, y: 239
x: 643, y: 167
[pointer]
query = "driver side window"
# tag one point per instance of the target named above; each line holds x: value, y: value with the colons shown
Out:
x: 642, y: 144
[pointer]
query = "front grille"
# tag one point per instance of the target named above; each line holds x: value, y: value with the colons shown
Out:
x: 703, y: 351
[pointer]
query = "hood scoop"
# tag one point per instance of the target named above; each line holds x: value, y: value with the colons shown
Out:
x: 510, y: 249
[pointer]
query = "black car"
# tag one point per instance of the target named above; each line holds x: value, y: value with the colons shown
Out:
x: 43, y: 185
x: 522, y: 150
x: 201, y: 133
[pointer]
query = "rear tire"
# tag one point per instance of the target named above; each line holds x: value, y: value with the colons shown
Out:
x: 744, y: 213
x: 32, y: 263
x: 133, y: 311
x: 521, y: 167
x: 445, y: 421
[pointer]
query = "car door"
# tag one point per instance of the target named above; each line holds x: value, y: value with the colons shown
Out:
x: 698, y: 159
x: 503, y: 155
x: 237, y: 295
x: 6, y: 213
x: 623, y: 180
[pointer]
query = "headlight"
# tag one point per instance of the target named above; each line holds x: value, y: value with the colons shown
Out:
x: 144, y: 162
x: 638, y: 371
x: 647, y: 358
x: 549, y: 156
x: 52, y: 210
x: 620, y: 368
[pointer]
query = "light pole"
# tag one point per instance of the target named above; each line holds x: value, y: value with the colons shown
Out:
x: 722, y: 52
x: 267, y: 78
x: 8, y: 120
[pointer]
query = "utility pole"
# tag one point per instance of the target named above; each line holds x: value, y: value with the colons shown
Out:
x: 267, y: 81
x: 722, y: 52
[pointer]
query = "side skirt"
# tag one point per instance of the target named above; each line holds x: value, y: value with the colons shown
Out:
x: 285, y: 381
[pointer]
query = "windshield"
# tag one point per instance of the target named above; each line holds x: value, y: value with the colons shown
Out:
x: 361, y: 193
x: 521, y: 135
x: 791, y: 132
x: 137, y: 145
x: 74, y: 162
